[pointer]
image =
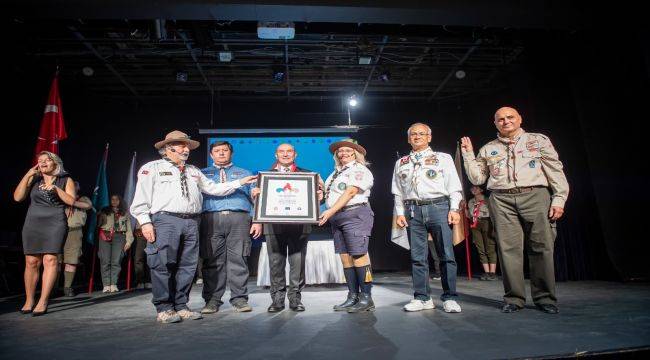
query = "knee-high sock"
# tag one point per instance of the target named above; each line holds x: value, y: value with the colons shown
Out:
x: 364, y: 277
x: 351, y: 279
x: 68, y: 278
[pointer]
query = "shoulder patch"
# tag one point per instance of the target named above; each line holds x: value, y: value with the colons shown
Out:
x: 404, y: 160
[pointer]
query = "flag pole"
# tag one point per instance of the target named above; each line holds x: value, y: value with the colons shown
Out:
x: 128, y: 270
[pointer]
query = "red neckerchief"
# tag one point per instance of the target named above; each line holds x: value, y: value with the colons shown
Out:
x: 475, y: 212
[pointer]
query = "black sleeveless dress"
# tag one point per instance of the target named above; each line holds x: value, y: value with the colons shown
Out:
x: 46, y: 225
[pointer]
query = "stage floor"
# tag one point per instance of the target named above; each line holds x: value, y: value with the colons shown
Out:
x: 594, y: 316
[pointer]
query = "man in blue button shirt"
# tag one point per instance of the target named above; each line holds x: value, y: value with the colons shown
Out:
x: 226, y: 230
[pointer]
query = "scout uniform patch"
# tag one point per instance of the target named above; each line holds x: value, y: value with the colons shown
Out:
x: 341, y: 186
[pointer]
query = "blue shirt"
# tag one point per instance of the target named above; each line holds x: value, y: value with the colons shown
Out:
x: 239, y: 200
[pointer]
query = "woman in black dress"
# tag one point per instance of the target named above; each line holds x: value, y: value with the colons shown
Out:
x: 50, y: 190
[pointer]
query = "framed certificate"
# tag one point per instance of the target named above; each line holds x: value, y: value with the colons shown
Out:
x: 287, y: 198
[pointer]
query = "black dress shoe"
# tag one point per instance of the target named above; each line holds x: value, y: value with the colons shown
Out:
x: 25, y: 312
x: 548, y: 308
x: 510, y: 308
x: 297, y: 306
x: 275, y: 308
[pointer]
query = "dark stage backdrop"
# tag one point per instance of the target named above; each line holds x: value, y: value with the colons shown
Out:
x: 587, y: 99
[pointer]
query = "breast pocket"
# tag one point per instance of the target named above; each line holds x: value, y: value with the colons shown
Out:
x: 496, y: 164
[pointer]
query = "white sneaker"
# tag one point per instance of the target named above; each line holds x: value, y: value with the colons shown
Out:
x: 199, y: 281
x: 114, y: 288
x: 147, y: 285
x: 451, y: 306
x: 419, y: 305
x: 107, y: 289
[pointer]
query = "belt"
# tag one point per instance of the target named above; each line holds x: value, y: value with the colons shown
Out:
x: 225, y: 212
x: 350, y: 207
x: 437, y: 200
x: 516, y: 190
x: 180, y: 215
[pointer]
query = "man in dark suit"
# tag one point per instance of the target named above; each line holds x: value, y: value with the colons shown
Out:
x: 287, y: 241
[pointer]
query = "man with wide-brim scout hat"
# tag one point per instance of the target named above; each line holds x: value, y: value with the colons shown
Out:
x: 351, y: 143
x: 167, y: 203
x: 177, y: 136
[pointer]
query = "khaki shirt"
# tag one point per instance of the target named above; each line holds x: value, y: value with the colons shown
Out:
x: 528, y: 160
x: 107, y: 223
x: 483, y: 211
x: 77, y: 217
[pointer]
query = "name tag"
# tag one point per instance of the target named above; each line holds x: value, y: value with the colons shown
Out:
x: 165, y: 173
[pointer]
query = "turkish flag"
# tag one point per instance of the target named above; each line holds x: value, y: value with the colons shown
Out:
x: 52, y: 126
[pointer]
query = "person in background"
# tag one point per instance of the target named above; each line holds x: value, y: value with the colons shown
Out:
x: 142, y: 273
x: 115, y: 238
x: 73, y: 243
x: 482, y: 233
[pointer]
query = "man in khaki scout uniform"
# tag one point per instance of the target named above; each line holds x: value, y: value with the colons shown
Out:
x: 529, y: 190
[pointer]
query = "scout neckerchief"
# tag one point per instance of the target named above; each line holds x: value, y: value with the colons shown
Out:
x: 475, y: 212
x: 181, y: 168
x: 337, y: 172
x: 416, y: 158
x: 510, y: 153
x: 222, y: 171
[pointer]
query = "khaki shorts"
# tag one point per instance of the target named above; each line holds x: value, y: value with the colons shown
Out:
x: 72, y: 248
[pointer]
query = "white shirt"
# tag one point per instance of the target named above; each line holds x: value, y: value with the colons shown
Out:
x: 425, y: 175
x: 159, y: 189
x: 352, y: 174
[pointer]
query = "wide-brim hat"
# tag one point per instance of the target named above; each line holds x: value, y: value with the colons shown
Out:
x: 178, y: 136
x: 351, y: 143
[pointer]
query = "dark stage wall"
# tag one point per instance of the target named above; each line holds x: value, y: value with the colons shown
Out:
x: 567, y: 88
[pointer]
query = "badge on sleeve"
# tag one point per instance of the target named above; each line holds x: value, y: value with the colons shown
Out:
x: 494, y: 152
x: 404, y: 161
x: 145, y: 172
x: 358, y: 175
x: 431, y: 174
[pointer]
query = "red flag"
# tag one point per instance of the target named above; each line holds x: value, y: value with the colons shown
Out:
x: 52, y: 126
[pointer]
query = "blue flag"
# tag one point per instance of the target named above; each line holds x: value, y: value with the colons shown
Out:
x: 100, y: 199
x: 129, y: 190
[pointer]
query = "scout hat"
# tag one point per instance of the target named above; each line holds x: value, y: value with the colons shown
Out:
x: 178, y: 136
x: 351, y: 143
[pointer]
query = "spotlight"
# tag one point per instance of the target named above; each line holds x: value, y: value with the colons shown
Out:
x: 278, y: 74
x: 460, y: 74
x: 88, y: 71
x: 181, y: 76
x: 225, y: 56
x: 353, y: 101
x: 384, y: 76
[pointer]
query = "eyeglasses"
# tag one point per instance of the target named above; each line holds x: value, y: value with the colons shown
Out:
x: 421, y: 133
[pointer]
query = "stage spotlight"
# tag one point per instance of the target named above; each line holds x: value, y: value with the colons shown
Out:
x: 460, y: 74
x: 88, y: 71
x: 181, y: 76
x: 384, y: 76
x: 278, y: 74
x: 225, y: 56
x: 353, y: 101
